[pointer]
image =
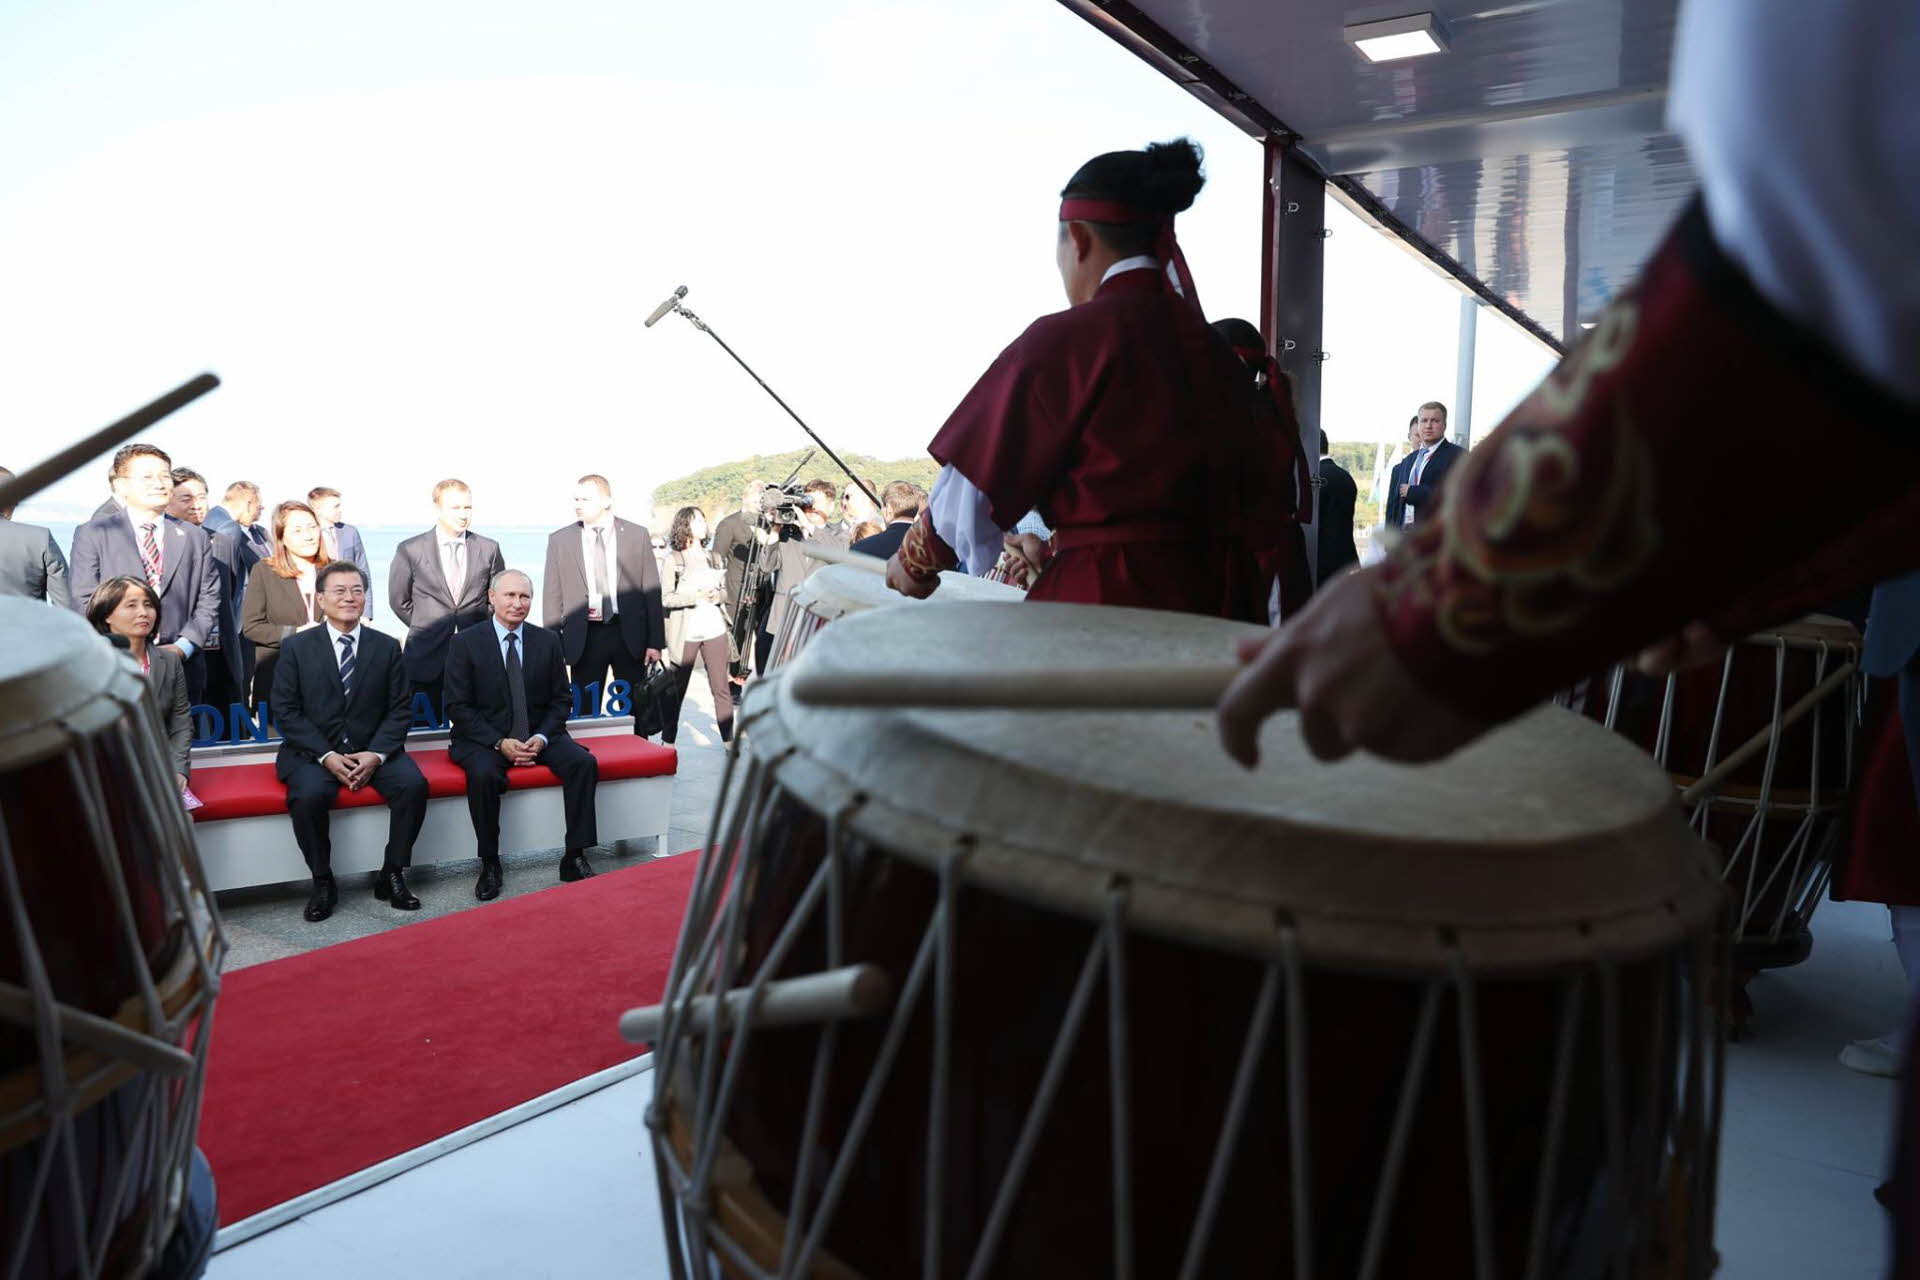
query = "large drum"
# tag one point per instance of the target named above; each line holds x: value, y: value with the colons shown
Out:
x: 836, y: 590
x: 109, y: 960
x: 1130, y: 1010
x: 1777, y: 819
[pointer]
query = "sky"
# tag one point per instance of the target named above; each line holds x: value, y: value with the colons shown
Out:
x: 419, y: 240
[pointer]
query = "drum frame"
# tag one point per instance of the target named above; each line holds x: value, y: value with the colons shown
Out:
x: 706, y: 1191
x: 84, y: 1057
x: 1801, y: 864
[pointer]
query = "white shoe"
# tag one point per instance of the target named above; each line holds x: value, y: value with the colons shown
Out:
x: 1881, y: 1057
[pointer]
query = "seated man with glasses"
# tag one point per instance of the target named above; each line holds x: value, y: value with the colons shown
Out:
x: 342, y: 700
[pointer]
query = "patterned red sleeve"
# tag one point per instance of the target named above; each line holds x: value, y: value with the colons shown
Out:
x: 1697, y: 456
x: 924, y: 553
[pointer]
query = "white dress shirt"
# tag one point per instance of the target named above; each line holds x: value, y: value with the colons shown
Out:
x: 588, y: 551
x: 334, y: 635
x: 446, y: 544
x: 500, y: 633
x: 184, y: 645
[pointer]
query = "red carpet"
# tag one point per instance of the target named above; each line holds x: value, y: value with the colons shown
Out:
x: 325, y: 1063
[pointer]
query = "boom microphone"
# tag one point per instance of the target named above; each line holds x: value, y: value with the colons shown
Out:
x: 666, y: 306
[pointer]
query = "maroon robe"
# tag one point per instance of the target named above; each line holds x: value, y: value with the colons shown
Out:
x: 1129, y: 425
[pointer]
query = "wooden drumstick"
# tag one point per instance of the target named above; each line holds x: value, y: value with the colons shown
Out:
x: 852, y: 559
x: 75, y: 456
x: 857, y: 991
x: 1710, y: 781
x: 1188, y: 688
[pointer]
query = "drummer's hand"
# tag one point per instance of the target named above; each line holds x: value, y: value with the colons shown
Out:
x: 1694, y: 646
x: 905, y: 583
x: 1335, y: 664
x: 1032, y: 549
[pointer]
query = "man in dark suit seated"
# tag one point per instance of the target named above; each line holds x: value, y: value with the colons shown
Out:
x: 1414, y: 491
x: 508, y: 698
x: 172, y: 556
x: 340, y: 698
x: 1334, y: 507
x: 900, y: 503
x: 438, y: 585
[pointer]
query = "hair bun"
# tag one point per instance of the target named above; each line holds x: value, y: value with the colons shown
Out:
x: 1171, y: 175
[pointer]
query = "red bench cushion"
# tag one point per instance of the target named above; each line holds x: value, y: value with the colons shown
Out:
x: 252, y: 790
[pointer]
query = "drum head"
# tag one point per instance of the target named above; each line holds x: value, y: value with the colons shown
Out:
x: 57, y: 677
x: 1545, y: 843
x: 836, y: 590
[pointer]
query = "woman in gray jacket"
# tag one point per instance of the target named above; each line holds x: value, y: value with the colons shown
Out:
x: 129, y: 609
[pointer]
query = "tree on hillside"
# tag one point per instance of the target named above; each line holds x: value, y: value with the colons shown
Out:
x: 716, y: 489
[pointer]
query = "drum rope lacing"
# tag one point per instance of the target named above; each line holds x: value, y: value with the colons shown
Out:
x: 1282, y: 978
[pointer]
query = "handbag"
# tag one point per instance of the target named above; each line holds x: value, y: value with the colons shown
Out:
x: 649, y: 700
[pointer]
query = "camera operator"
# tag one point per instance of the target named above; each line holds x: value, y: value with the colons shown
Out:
x: 794, y: 565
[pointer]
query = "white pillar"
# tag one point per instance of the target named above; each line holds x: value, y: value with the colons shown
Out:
x: 1460, y: 425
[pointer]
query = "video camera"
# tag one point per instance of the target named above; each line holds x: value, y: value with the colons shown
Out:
x: 783, y: 504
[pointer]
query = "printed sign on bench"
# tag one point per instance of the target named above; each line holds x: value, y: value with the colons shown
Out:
x: 215, y: 728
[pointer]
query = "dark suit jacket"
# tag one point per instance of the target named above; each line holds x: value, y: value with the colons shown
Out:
x: 189, y: 582
x: 31, y: 564
x: 1421, y: 497
x: 1333, y: 512
x: 563, y: 592
x: 107, y: 508
x: 733, y: 543
x: 169, y: 678
x: 220, y: 521
x: 417, y: 590
x: 234, y: 558
x: 315, y: 716
x: 885, y: 542
x: 476, y: 689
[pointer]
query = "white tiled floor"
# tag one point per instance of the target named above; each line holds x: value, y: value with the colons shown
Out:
x: 572, y: 1195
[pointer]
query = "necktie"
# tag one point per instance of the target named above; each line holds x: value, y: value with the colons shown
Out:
x: 150, y: 555
x: 456, y: 568
x: 346, y: 665
x: 516, y: 689
x: 331, y: 542
x: 605, y: 572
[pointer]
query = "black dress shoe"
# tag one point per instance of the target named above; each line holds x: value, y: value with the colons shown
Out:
x: 320, y: 901
x: 488, y: 887
x: 574, y: 866
x: 391, y: 888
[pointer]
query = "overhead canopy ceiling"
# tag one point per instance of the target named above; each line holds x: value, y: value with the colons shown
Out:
x: 1530, y: 160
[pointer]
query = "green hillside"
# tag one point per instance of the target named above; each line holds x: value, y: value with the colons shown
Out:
x: 716, y: 490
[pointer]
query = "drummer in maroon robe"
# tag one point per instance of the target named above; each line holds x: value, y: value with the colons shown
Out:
x: 1123, y: 420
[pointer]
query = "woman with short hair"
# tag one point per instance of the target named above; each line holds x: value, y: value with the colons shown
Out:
x: 128, y: 609
x: 280, y: 601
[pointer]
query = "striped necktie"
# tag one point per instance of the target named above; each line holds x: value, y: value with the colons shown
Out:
x: 150, y: 555
x: 346, y: 665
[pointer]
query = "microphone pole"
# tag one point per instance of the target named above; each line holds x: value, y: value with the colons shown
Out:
x: 674, y: 304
